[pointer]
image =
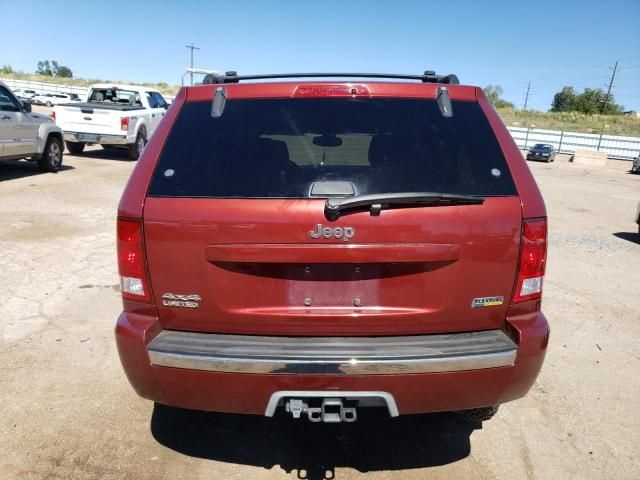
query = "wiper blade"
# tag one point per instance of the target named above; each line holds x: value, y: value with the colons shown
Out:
x: 377, y: 202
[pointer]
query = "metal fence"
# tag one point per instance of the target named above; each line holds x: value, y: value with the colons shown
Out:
x: 42, y: 87
x: 625, y: 148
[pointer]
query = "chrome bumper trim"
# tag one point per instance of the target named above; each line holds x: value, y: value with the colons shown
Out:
x: 333, y: 355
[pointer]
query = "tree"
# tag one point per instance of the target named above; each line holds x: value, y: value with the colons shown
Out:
x: 53, y: 69
x: 44, y: 68
x: 590, y: 101
x: 6, y: 70
x: 64, y: 72
x: 493, y: 93
x: 564, y: 100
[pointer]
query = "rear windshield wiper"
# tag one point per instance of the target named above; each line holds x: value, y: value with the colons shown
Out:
x: 377, y: 202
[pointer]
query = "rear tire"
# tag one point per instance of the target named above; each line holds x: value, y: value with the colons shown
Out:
x: 51, y: 159
x: 75, y: 147
x: 478, y: 414
x: 135, y: 149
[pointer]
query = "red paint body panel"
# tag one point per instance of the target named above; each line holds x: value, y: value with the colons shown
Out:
x: 344, y: 253
x: 249, y: 393
x: 532, y: 202
x: 287, y: 89
x: 264, y: 293
x: 132, y: 201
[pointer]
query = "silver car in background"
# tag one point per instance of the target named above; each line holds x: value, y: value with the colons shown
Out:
x: 28, y: 135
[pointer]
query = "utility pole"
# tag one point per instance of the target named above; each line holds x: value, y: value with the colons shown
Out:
x: 526, y: 98
x: 192, y: 47
x: 606, y: 98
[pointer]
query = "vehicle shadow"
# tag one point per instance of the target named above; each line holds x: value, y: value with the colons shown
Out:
x: 117, y: 154
x: 632, y: 237
x: 14, y: 169
x: 375, y: 442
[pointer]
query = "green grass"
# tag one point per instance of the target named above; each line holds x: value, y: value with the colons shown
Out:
x: 572, y: 121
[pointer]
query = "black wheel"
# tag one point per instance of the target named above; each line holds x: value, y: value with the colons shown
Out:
x: 75, y: 147
x: 49, y: 104
x: 478, y: 414
x: 51, y: 159
x: 135, y: 149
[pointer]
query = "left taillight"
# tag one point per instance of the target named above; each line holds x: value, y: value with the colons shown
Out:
x: 124, y: 124
x: 533, y: 260
x: 53, y: 115
x: 134, y: 280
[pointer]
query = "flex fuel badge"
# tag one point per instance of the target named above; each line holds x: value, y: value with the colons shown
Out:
x: 481, y: 302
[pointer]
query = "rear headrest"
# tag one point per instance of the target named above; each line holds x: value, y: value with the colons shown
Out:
x: 271, y: 153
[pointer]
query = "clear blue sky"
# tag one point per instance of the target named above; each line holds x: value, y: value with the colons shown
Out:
x: 509, y: 43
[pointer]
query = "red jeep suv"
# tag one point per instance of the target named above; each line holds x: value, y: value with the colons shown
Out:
x: 321, y: 246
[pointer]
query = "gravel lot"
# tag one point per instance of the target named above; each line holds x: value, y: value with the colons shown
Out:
x: 68, y: 411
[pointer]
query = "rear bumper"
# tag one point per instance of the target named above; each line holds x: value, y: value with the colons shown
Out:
x: 438, y: 378
x: 97, y: 138
x: 331, y: 355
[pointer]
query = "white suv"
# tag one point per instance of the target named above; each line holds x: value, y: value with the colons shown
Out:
x: 24, y: 134
x: 24, y: 93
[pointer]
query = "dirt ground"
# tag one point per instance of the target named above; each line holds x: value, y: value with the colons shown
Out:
x: 69, y: 413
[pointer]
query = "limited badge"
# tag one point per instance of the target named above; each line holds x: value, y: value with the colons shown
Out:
x: 487, y: 302
x: 179, y: 300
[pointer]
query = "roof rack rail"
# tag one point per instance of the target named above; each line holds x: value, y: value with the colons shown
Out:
x: 429, y: 76
x: 200, y: 71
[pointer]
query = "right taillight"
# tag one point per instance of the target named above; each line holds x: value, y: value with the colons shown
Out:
x: 533, y: 258
x: 131, y: 261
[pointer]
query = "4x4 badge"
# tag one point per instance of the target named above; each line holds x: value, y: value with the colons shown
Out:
x: 178, y: 300
x: 344, y: 233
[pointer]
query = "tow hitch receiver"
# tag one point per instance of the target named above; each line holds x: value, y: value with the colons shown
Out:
x: 332, y: 410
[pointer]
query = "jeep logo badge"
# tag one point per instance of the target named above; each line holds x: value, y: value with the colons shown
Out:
x: 344, y: 233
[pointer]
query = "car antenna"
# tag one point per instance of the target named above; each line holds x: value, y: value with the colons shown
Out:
x: 444, y: 102
x: 219, y: 101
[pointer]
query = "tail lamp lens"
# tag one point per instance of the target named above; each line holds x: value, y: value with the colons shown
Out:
x: 53, y: 115
x: 124, y: 124
x: 533, y: 259
x: 131, y: 262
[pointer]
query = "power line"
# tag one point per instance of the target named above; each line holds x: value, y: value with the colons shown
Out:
x: 606, y: 98
x: 192, y: 47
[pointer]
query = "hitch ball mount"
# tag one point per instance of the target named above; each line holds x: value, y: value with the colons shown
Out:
x: 332, y: 410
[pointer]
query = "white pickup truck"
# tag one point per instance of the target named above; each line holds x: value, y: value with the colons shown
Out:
x: 112, y: 116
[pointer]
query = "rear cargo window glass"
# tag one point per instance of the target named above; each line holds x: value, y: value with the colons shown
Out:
x: 281, y: 147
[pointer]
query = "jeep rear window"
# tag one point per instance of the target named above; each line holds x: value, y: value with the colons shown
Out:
x: 265, y: 148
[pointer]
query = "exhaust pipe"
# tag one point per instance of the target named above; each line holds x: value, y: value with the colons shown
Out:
x: 331, y: 411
